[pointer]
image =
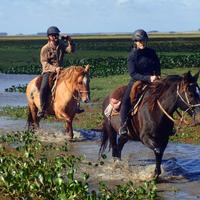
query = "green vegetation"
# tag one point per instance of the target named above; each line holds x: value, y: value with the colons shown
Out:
x: 32, y: 170
x: 106, y: 54
x: 19, y: 88
x: 14, y: 112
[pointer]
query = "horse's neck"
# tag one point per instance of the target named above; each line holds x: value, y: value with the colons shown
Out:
x: 68, y: 87
x: 169, y: 99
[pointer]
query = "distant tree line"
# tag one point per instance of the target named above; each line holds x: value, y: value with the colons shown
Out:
x: 3, y: 34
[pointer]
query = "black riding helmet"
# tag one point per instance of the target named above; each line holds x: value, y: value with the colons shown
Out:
x: 52, y: 30
x: 140, y: 35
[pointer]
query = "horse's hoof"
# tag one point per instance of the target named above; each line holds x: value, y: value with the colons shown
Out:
x: 116, y: 159
x: 69, y: 138
x: 155, y: 177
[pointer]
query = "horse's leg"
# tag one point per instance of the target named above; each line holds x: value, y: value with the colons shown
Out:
x: 60, y: 113
x: 159, y: 155
x: 158, y: 146
x: 121, y: 141
x: 157, y: 171
x: 69, y: 130
x: 33, y: 120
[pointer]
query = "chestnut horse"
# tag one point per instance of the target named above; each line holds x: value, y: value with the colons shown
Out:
x: 72, y: 85
x: 153, y: 122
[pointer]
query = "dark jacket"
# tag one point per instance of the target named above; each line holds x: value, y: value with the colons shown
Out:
x: 143, y: 63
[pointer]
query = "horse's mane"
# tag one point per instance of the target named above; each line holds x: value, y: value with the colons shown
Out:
x: 70, y: 73
x: 158, y: 88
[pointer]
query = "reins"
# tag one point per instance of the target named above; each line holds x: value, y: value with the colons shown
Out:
x: 165, y: 112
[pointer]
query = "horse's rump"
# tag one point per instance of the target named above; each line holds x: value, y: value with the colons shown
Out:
x: 115, y: 98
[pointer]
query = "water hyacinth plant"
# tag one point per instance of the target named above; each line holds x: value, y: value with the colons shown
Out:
x: 32, y: 170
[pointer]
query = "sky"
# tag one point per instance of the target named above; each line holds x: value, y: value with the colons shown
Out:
x: 98, y: 16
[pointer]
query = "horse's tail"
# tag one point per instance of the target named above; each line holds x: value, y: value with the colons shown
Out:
x: 104, y: 139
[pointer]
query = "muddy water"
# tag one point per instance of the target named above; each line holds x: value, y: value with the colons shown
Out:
x: 180, y: 178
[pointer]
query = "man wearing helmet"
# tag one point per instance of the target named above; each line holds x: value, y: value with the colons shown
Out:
x: 143, y: 65
x: 51, y: 58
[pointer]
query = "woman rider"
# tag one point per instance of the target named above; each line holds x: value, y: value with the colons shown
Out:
x: 143, y: 65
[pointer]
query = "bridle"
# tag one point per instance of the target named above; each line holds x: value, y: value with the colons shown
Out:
x: 78, y: 97
x: 186, y: 102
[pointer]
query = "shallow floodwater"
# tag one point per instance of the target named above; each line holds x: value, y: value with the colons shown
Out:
x: 13, y: 98
x: 180, y: 178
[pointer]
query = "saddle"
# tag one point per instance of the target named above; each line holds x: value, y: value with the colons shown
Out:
x: 52, y: 78
x: 115, y: 98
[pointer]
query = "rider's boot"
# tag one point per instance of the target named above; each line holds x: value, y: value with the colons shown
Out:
x: 43, y: 95
x: 41, y: 109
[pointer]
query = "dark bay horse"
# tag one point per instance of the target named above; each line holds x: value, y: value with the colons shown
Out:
x: 153, y: 124
x: 72, y: 85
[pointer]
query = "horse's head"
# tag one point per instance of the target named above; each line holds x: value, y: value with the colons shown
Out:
x: 83, y: 86
x: 189, y: 96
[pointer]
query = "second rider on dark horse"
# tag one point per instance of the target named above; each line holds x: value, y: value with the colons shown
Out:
x: 51, y: 58
x: 143, y: 65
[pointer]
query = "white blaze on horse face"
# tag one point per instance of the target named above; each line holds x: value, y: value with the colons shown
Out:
x: 85, y: 80
x: 85, y: 90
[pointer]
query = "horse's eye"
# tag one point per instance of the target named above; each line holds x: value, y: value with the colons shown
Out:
x: 192, y: 90
x: 80, y: 83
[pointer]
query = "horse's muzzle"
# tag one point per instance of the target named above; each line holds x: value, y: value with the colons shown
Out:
x: 196, y: 119
x: 85, y: 99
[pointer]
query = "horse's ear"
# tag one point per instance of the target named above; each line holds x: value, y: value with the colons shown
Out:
x: 196, y: 76
x: 87, y: 68
x: 187, y: 76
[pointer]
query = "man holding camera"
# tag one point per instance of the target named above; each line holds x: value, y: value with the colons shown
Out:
x: 51, y: 58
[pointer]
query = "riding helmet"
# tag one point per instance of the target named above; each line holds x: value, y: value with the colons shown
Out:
x: 52, y: 30
x: 140, y: 35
